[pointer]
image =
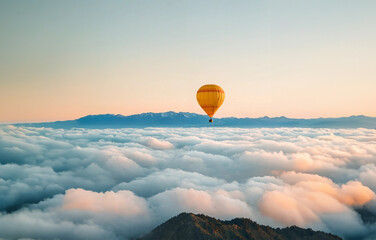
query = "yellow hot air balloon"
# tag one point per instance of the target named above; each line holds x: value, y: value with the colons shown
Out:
x: 210, y: 97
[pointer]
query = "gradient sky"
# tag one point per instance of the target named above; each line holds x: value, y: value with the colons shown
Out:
x: 66, y: 59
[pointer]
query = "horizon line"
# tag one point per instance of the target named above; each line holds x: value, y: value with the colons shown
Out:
x: 100, y: 114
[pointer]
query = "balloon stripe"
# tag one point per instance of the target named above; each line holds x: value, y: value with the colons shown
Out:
x: 202, y: 91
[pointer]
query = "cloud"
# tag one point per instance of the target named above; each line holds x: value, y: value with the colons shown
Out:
x: 305, y: 198
x: 156, y: 143
x: 36, y: 224
x: 351, y: 193
x: 168, y: 179
x: 120, y: 183
x: 217, y: 204
x: 368, y: 176
x: 121, y: 202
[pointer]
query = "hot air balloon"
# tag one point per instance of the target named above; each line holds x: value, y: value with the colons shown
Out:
x: 210, y: 97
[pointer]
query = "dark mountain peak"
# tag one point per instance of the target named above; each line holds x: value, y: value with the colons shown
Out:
x: 184, y: 216
x: 359, y: 116
x: 102, y: 116
x: 189, y: 226
x: 169, y: 114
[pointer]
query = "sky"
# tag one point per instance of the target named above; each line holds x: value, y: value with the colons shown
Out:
x: 63, y: 60
x: 121, y: 183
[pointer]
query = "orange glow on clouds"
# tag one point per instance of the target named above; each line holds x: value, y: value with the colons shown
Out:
x: 121, y: 202
x: 308, y: 196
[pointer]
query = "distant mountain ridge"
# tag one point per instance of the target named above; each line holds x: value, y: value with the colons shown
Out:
x: 188, y: 226
x: 186, y: 119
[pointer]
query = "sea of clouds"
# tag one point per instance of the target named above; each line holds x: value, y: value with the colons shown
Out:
x: 121, y: 183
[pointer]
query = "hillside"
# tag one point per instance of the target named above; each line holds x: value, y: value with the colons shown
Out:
x: 188, y: 226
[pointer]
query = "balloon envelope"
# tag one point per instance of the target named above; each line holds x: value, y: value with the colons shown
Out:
x: 210, y: 97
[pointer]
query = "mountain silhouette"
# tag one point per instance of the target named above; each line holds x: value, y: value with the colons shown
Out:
x: 185, y: 119
x: 188, y: 226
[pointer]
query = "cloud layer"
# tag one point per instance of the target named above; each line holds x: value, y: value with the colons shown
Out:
x: 120, y: 183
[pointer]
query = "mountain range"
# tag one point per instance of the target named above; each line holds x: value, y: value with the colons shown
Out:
x: 186, y: 119
x: 188, y: 226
